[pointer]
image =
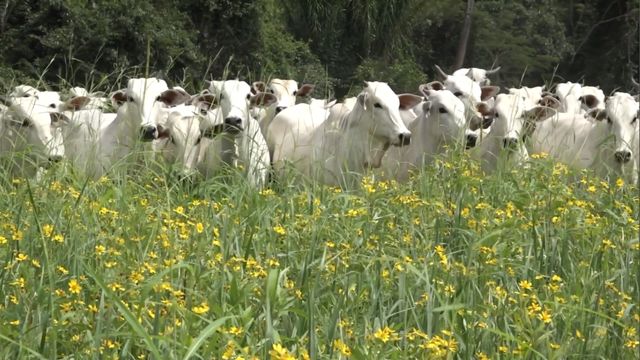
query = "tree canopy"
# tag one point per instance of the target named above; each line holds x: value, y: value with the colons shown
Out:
x: 334, y: 44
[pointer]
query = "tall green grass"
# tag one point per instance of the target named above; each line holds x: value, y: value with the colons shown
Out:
x: 539, y: 262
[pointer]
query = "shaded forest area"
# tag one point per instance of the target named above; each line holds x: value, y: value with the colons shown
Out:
x: 334, y: 44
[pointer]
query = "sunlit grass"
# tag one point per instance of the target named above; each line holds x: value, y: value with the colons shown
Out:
x: 532, y: 263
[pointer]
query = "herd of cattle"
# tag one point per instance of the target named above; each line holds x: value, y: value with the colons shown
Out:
x: 259, y: 128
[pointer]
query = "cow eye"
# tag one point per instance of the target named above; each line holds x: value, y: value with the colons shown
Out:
x: 248, y: 96
x: 609, y: 120
x: 634, y: 120
x: 203, y: 111
x: 295, y: 92
x: 25, y: 123
x: 53, y: 106
x: 26, y: 95
x: 221, y: 96
x: 378, y: 105
x: 129, y: 98
x: 271, y: 91
x: 496, y: 115
x: 457, y: 93
x: 442, y: 110
x: 198, y: 140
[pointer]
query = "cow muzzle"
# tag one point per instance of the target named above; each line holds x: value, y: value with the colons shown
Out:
x: 472, y: 139
x: 622, y: 156
x: 404, y: 139
x: 148, y: 133
x: 233, y: 125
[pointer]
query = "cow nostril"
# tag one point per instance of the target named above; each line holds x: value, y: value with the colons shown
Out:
x: 55, y: 158
x: 148, y: 133
x: 509, y: 142
x: 623, y: 156
x: 471, y: 141
x: 280, y: 108
x: 405, y: 139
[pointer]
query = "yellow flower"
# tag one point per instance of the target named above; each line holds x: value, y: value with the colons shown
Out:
x: 525, y: 285
x: 179, y: 210
x: 58, y: 238
x: 3, y: 240
x: 385, y: 334
x: 278, y: 229
x: 199, y: 228
x: 342, y: 347
x: 14, y: 322
x: 619, y: 182
x: 203, y: 308
x: 74, y: 287
x: 22, y: 257
x: 545, y: 316
x: 62, y: 270
x: 278, y: 352
x: 47, y: 230
x: 632, y: 343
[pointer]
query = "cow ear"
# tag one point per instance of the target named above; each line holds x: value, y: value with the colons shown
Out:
x: 434, y: 85
x: 204, y: 101
x: 597, y: 114
x: 475, y: 123
x: 539, y: 113
x: 590, y: 101
x: 76, y: 103
x: 258, y: 86
x: 362, y: 100
x: 118, y: 98
x: 263, y: 99
x: 489, y: 92
x: 59, y: 119
x: 173, y: 97
x: 550, y: 102
x: 305, y: 90
x: 426, y: 107
x: 408, y: 101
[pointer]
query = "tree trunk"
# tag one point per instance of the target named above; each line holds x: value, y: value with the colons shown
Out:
x: 464, y: 35
x: 3, y: 16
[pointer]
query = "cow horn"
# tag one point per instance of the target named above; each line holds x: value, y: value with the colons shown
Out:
x: 5, y: 100
x: 493, y: 71
x: 442, y: 73
x: 635, y: 83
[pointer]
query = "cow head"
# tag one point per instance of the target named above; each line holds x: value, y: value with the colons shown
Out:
x: 182, y: 136
x: 32, y: 124
x: 513, y: 120
x: 142, y: 108
x: 235, y: 98
x: 381, y: 107
x: 621, y: 113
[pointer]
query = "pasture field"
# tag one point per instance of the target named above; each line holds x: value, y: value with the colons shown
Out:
x: 536, y: 263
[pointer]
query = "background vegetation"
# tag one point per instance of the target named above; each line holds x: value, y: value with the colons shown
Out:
x: 331, y: 43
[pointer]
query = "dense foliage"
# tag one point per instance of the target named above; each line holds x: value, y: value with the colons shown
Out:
x: 333, y: 45
x: 540, y: 263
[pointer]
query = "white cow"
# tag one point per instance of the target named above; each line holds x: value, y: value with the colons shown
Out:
x: 242, y: 132
x: 605, y: 146
x: 97, y: 140
x: 513, y: 122
x: 531, y: 95
x: 342, y: 148
x: 569, y: 94
x: 27, y: 126
x: 476, y: 74
x: 472, y: 95
x: 287, y: 93
x: 622, y: 111
x: 441, y: 124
